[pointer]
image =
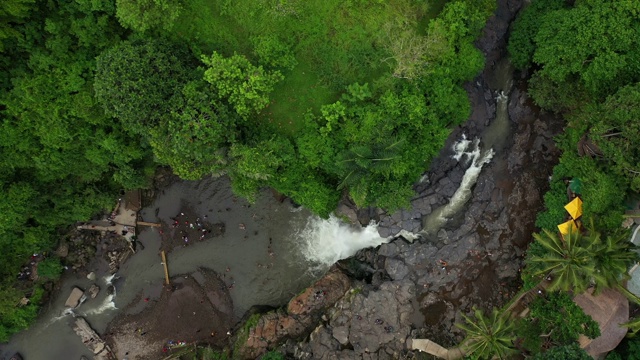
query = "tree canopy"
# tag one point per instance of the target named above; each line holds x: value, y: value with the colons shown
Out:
x: 586, y: 65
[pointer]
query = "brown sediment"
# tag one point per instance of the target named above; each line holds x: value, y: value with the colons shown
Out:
x: 189, y: 311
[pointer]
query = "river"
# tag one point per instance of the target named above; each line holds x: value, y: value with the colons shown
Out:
x: 303, y: 246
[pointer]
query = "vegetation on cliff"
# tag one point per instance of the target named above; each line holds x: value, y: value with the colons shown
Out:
x: 586, y: 66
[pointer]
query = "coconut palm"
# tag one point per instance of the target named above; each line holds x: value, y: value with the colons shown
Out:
x: 634, y: 327
x: 613, y: 256
x: 360, y: 162
x: 579, y: 261
x: 569, y: 261
x: 363, y: 159
x: 488, y: 336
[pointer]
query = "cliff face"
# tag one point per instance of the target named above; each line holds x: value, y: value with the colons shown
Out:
x: 419, y: 289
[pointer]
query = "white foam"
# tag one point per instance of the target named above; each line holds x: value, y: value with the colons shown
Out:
x: 324, y: 242
x: 107, y: 304
x: 477, y: 159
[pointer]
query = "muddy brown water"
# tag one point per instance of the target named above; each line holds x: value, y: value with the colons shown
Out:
x: 241, y: 254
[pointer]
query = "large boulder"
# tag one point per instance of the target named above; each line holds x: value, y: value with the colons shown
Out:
x: 93, y: 291
x: 263, y: 332
x: 74, y: 298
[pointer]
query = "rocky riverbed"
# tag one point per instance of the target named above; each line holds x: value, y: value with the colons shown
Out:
x: 419, y: 289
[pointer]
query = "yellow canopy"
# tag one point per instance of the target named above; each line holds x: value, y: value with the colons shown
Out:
x: 567, y: 227
x: 574, y: 208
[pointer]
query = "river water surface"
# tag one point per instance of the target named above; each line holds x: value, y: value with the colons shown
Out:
x: 302, y: 248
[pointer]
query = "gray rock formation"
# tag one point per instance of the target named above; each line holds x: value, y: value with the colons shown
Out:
x: 93, y: 291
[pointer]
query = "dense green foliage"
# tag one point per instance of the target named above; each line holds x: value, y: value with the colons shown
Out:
x: 62, y: 159
x: 135, y: 82
x: 559, y: 313
x: 12, y: 12
x: 629, y: 349
x: 587, y: 66
x: 143, y: 15
x: 49, y: 269
x: 317, y: 99
x: 565, y: 352
x: 549, y: 331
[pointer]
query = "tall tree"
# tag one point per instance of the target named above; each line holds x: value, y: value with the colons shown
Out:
x: 578, y: 261
x: 143, y: 15
x: 244, y: 86
x: 11, y: 13
x: 194, y: 138
x: 135, y: 81
x: 568, y: 260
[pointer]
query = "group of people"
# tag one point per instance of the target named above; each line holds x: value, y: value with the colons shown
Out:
x: 198, y: 225
x: 172, y: 344
x: 26, y: 271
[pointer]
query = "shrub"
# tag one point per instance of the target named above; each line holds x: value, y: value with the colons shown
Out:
x: 50, y: 269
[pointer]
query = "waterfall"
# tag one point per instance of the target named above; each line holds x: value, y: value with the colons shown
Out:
x: 66, y: 312
x: 477, y: 159
x: 107, y: 303
x: 323, y: 242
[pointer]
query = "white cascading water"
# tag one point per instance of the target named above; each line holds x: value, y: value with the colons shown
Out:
x: 477, y: 159
x: 324, y: 242
x: 66, y: 312
x: 107, y: 303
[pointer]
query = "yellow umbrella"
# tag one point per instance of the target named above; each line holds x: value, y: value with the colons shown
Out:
x: 574, y: 208
x: 567, y: 227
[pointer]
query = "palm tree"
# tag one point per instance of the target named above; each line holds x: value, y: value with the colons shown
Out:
x: 488, y: 336
x: 634, y: 327
x: 360, y: 162
x: 579, y: 261
x: 567, y: 261
x: 613, y: 257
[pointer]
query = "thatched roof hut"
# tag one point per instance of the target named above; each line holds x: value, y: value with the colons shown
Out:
x: 609, y: 309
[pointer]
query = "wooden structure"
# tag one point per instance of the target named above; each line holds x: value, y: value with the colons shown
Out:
x: 166, y: 269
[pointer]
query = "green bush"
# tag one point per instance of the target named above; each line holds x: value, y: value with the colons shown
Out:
x: 628, y: 349
x: 564, y: 352
x: 50, y: 268
x: 207, y: 353
x: 272, y: 355
x: 143, y: 15
x: 559, y: 316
